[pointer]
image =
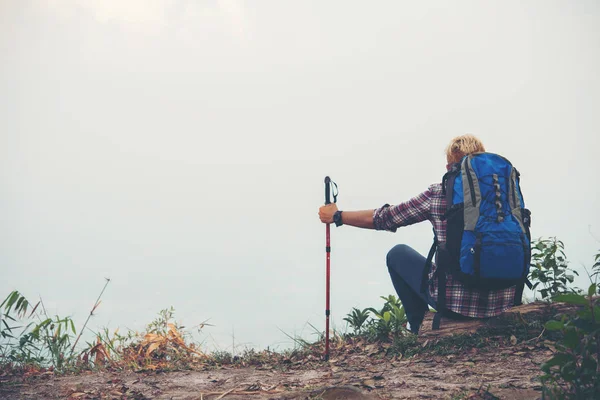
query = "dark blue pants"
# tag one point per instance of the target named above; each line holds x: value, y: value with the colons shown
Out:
x: 406, y: 270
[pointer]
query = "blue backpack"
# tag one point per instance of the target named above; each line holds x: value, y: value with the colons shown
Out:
x: 488, y: 243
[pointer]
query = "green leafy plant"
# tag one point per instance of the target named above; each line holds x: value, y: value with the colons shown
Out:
x: 33, y: 339
x: 574, y: 370
x: 596, y: 268
x: 390, y: 319
x: 16, y: 304
x: 53, y: 334
x: 356, y: 319
x: 160, y: 325
x: 550, y: 268
x: 43, y: 344
x: 15, y: 347
x: 382, y: 324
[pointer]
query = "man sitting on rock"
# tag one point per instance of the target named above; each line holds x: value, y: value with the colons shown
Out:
x: 406, y: 265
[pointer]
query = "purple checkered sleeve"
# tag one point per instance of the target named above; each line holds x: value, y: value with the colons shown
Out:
x: 431, y: 205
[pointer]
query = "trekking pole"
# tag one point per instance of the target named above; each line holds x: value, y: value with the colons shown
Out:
x: 328, y: 183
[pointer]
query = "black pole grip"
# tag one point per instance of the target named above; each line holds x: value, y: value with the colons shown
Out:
x: 327, y: 190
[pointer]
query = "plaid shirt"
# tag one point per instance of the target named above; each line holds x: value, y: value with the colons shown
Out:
x: 431, y: 205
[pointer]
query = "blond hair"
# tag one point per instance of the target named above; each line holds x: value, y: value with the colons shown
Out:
x: 461, y: 146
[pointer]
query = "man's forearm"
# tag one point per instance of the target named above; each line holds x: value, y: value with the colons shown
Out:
x: 359, y: 219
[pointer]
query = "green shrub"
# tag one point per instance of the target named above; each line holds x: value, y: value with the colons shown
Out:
x: 550, y: 268
x: 390, y: 320
x: 46, y: 343
x: 574, y: 370
x: 356, y: 319
x: 384, y: 324
x: 33, y: 339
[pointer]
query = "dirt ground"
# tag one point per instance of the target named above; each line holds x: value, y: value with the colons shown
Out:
x: 505, y: 373
x: 496, y: 368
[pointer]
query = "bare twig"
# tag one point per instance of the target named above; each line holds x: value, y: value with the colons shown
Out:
x: 90, y: 316
x: 225, y: 394
x: 239, y: 392
x: 537, y: 337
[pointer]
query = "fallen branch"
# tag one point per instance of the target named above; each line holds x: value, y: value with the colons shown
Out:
x: 238, y: 392
x: 537, y: 337
x: 225, y: 394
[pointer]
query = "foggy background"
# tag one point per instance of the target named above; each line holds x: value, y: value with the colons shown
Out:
x: 179, y: 147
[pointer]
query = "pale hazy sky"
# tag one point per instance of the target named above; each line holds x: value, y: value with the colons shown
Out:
x: 180, y: 147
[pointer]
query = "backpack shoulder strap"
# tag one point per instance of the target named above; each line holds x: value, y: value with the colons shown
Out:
x: 448, y: 183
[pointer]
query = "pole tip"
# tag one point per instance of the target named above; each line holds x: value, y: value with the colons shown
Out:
x: 327, y: 179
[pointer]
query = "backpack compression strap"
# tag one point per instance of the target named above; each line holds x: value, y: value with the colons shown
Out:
x: 471, y: 194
